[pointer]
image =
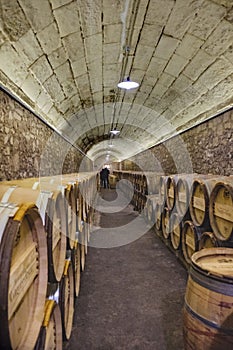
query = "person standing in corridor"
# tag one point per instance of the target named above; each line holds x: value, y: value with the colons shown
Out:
x: 104, y: 174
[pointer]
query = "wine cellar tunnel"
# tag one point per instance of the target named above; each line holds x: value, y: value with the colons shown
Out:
x: 144, y: 261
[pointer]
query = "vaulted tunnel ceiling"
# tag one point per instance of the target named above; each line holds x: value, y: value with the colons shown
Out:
x: 63, y: 59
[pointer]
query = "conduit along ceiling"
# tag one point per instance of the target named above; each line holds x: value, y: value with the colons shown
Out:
x: 63, y: 59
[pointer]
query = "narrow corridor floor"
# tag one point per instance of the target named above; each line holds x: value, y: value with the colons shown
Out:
x: 131, y: 296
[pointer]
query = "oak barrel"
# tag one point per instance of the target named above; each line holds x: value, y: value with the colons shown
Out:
x: 149, y: 209
x: 55, y: 226
x: 23, y: 275
x: 76, y: 261
x: 170, y: 191
x: 176, y: 226
x: 150, y: 205
x: 50, y: 336
x: 190, y: 239
x: 162, y: 186
x: 200, y: 196
x: 51, y: 208
x: 221, y: 210
x: 71, y: 210
x: 152, y: 179
x: 166, y: 214
x: 66, y: 299
x: 158, y: 215
x: 207, y: 312
x: 183, y: 192
x: 207, y: 240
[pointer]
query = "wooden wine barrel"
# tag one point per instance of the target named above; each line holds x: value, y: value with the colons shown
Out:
x: 137, y: 181
x: 162, y: 187
x: 50, y: 336
x: 221, y: 210
x: 84, y: 242
x: 183, y: 192
x: 66, y: 299
x: 76, y: 262
x: 141, y: 202
x: 68, y: 188
x: 23, y: 275
x: 166, y: 214
x: 170, y: 191
x: 207, y: 312
x: 112, y: 181
x: 149, y: 210
x: 51, y: 209
x: 90, y: 221
x: 82, y: 237
x: 136, y: 200
x: 79, y: 205
x: 207, y: 240
x: 19, y: 195
x: 199, y: 201
x: 55, y: 226
x: 176, y: 226
x: 52, y: 184
x: 158, y: 216
x: 143, y: 184
x: 190, y: 239
x: 31, y: 182
x: 71, y: 210
x: 152, y: 179
x: 151, y: 202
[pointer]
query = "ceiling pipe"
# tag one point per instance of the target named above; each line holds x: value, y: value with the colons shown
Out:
x: 126, y: 44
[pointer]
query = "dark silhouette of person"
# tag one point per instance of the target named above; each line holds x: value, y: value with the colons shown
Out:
x: 104, y: 177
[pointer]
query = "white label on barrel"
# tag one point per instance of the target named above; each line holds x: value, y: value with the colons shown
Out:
x: 22, y: 275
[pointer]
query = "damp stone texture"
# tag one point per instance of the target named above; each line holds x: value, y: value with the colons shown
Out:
x: 204, y: 149
x: 29, y: 148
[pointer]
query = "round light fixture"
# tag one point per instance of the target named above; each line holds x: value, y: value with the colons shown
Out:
x: 115, y: 131
x: 128, y: 84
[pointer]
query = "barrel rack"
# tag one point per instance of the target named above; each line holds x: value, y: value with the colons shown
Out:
x: 45, y: 227
x: 188, y: 212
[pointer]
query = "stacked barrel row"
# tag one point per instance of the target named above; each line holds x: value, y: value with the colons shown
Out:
x: 188, y: 211
x: 138, y: 186
x: 45, y: 226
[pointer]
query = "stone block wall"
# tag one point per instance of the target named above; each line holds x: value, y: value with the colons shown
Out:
x: 29, y: 148
x: 205, y: 149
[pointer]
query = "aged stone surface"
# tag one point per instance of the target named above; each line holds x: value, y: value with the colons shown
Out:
x: 205, y: 149
x: 29, y: 148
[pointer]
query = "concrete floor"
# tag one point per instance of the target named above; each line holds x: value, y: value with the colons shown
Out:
x: 131, y: 296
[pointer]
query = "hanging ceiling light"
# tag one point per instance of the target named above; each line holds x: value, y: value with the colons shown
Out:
x: 128, y: 84
x: 115, y: 131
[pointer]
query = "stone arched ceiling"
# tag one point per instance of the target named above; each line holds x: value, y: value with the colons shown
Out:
x: 64, y: 58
